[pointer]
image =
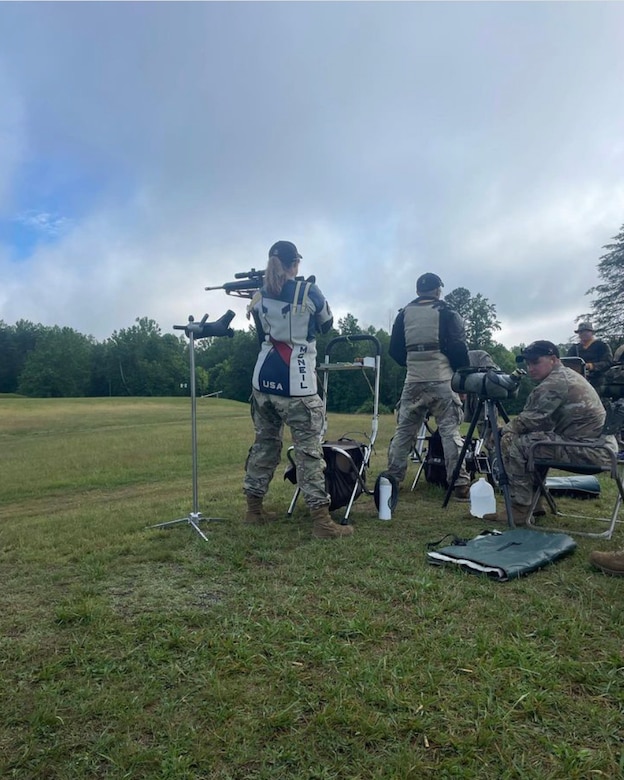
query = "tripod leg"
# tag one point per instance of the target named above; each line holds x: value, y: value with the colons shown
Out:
x: 193, y: 519
x: 501, y: 410
x: 503, y: 479
x: 462, y: 454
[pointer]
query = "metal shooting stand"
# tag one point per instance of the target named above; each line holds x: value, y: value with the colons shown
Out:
x: 491, y: 407
x: 197, y: 330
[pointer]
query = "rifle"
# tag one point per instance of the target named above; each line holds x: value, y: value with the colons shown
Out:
x: 246, y: 285
x: 247, y: 282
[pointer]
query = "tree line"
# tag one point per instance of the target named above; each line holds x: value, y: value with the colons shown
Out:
x: 56, y: 362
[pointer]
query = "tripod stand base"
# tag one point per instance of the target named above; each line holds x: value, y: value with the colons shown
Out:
x: 489, y: 407
x: 193, y: 519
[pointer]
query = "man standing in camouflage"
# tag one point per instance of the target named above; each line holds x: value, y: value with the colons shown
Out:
x: 428, y: 337
x: 562, y: 406
x: 288, y: 313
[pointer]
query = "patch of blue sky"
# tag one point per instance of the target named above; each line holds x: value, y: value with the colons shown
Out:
x: 25, y: 231
x: 48, y: 198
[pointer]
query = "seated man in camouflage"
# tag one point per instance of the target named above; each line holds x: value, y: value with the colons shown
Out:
x: 562, y: 406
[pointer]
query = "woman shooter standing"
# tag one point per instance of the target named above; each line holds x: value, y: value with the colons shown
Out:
x: 288, y: 313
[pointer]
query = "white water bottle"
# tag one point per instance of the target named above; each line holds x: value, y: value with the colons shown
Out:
x: 482, y: 498
x: 385, y: 496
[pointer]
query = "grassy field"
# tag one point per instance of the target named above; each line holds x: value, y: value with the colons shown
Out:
x: 131, y: 652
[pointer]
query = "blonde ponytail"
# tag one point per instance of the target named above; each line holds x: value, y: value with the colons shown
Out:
x: 275, y: 276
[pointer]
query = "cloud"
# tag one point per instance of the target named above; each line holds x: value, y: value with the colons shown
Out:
x: 50, y: 225
x: 166, y: 146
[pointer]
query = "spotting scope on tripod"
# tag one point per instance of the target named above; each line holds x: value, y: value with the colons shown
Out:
x: 490, y: 387
x: 198, y: 330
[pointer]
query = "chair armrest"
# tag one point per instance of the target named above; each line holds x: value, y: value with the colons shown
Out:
x: 599, y: 445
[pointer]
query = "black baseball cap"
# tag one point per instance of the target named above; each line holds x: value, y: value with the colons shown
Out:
x: 428, y: 283
x: 536, y: 350
x: 286, y: 251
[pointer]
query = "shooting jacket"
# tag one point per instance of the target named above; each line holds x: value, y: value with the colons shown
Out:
x: 429, y: 338
x: 287, y: 326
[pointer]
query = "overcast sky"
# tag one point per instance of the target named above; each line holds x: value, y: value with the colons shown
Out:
x: 148, y: 150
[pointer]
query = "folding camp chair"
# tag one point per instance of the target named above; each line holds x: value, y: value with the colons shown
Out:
x: 576, y: 364
x: 419, y: 453
x: 612, y: 466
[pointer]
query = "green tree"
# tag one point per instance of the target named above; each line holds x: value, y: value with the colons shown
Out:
x: 392, y: 375
x: 608, y: 306
x: 504, y: 358
x: 229, y: 363
x: 8, y: 377
x: 59, y: 366
x: 16, y: 343
x: 346, y: 390
x: 141, y: 361
x: 459, y: 299
x: 349, y: 326
x: 479, y: 315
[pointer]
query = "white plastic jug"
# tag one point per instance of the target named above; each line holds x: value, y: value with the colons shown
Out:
x: 482, y: 498
x: 385, y: 496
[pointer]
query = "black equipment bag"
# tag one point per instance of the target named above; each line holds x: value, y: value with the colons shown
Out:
x: 614, y: 422
x: 434, y: 468
x: 613, y: 382
x: 344, y: 459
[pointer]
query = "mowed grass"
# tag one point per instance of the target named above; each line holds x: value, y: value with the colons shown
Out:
x: 134, y: 652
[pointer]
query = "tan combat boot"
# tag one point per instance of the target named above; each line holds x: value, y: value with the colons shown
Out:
x: 519, y: 513
x: 462, y: 493
x: 540, y: 508
x: 609, y: 562
x: 324, y: 527
x: 255, y: 513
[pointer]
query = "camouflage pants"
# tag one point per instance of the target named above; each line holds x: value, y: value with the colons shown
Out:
x: 515, y: 451
x: 417, y: 400
x: 304, y: 416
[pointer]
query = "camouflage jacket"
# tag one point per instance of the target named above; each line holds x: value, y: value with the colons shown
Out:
x: 564, y: 403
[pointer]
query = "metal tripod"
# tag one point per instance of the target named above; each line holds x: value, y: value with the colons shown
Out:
x: 491, y: 407
x: 195, y: 516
